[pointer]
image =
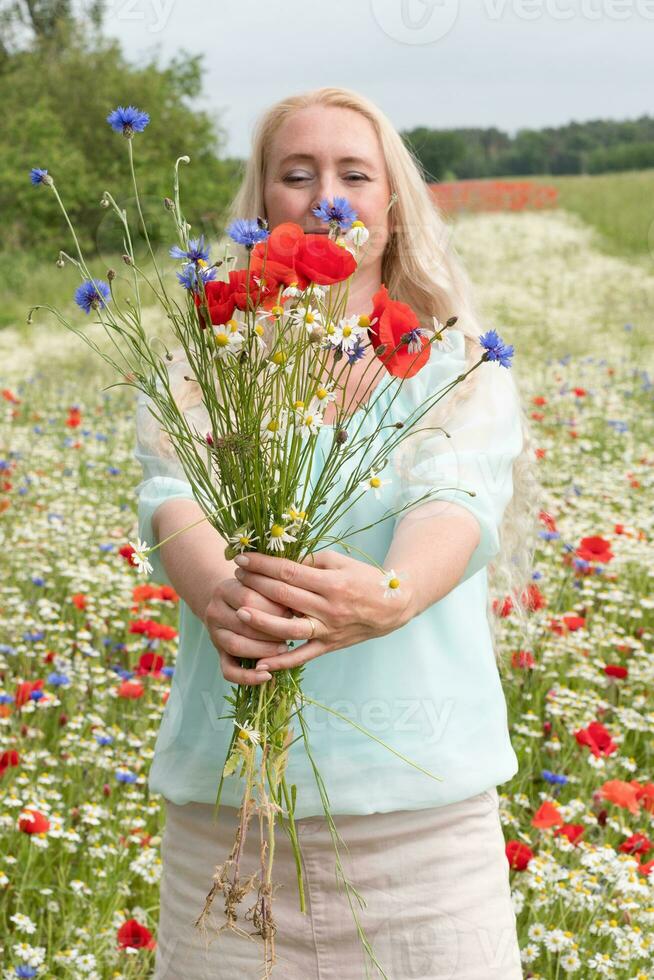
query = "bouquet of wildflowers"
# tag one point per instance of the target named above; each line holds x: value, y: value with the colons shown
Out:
x: 270, y: 347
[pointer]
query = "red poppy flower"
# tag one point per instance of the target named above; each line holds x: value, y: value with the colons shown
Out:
x: 503, y: 607
x: 288, y: 255
x: 393, y: 321
x: 574, y: 623
x: 518, y: 854
x: 150, y: 663
x: 127, y: 552
x: 532, y: 598
x: 594, y: 549
x: 547, y: 815
x: 615, y: 670
x: 621, y: 793
x: 597, y: 738
x: 220, y: 301
x: 131, y: 690
x: 7, y: 759
x: 133, y: 935
x: 79, y: 600
x: 33, y: 822
x: 573, y: 831
x: 636, y: 844
x: 522, y: 659
x: 24, y: 689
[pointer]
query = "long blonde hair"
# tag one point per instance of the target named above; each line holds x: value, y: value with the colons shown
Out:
x: 420, y: 267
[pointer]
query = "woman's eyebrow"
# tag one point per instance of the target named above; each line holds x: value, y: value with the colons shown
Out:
x: 308, y: 156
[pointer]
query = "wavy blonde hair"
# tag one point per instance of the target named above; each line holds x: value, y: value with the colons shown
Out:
x: 420, y: 267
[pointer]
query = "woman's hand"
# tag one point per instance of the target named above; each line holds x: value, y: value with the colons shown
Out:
x: 233, y: 638
x: 339, y: 601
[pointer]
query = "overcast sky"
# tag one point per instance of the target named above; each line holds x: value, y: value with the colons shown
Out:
x: 438, y: 63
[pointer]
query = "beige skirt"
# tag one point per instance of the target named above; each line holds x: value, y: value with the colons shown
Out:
x: 435, y: 882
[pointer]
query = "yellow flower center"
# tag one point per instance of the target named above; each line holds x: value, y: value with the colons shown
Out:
x: 375, y: 482
x: 364, y: 321
x: 321, y: 393
x: 273, y: 425
x: 279, y: 357
x: 308, y: 420
x: 277, y: 311
x: 244, y: 540
x: 394, y: 583
x: 357, y: 224
x: 222, y: 340
x: 233, y: 325
x: 242, y: 734
x: 259, y: 330
x: 298, y: 404
x: 201, y: 263
x: 347, y: 331
x: 309, y: 318
x: 277, y: 531
x: 330, y: 329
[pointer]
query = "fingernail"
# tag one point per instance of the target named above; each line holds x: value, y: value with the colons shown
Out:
x: 266, y: 677
x: 261, y: 666
x: 239, y: 573
x: 244, y: 615
x: 242, y: 560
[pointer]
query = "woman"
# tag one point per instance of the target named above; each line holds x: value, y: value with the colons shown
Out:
x: 419, y: 671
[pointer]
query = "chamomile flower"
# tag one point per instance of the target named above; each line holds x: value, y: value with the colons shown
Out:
x: 324, y: 394
x: 308, y: 315
x: 243, y: 539
x: 248, y: 732
x: 259, y: 332
x: 357, y: 234
x: 273, y: 425
x: 309, y: 419
x: 291, y: 291
x: 278, y: 536
x: 139, y: 556
x: 441, y: 339
x: 228, y: 338
x: 374, y: 483
x: 391, y: 584
x: 296, y: 516
x: 347, y: 333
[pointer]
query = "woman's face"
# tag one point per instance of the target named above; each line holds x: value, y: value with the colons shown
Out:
x: 323, y: 152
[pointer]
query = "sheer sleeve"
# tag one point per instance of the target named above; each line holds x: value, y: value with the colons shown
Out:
x: 163, y: 477
x: 485, y: 438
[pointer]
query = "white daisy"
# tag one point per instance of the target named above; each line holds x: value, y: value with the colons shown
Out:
x: 273, y: 425
x: 391, y: 583
x: 357, y: 234
x: 139, y: 557
x: 248, y: 731
x: 228, y: 338
x: 278, y: 536
x: 442, y: 340
x: 347, y: 332
x: 296, y: 516
x: 309, y: 315
x: 243, y: 538
x: 291, y: 291
x: 309, y: 419
x: 374, y: 483
x: 325, y: 394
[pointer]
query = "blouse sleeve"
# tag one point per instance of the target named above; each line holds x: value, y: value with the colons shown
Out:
x: 485, y: 438
x: 163, y: 479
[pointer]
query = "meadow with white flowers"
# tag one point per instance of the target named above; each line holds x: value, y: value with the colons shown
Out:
x: 87, y: 649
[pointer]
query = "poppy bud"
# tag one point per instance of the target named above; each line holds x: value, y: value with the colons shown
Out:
x: 380, y: 350
x: 111, y: 274
x: 452, y: 320
x: 168, y: 204
x: 127, y: 259
x: 341, y: 436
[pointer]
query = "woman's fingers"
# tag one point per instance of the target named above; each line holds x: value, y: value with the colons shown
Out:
x: 297, y: 628
x: 244, y: 648
x: 235, y: 674
x: 308, y: 603
x: 236, y: 594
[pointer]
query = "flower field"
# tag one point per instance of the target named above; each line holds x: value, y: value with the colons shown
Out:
x: 87, y: 649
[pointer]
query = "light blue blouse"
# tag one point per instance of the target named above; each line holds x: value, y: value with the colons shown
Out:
x: 430, y: 689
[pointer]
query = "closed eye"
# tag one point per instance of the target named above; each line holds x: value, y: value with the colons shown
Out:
x: 294, y: 179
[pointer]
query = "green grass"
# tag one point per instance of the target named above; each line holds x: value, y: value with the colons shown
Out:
x: 619, y: 206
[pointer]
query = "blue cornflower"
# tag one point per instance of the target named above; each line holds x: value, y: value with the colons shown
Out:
x: 549, y: 535
x: 552, y: 777
x: 104, y: 739
x: 496, y: 349
x: 125, y: 776
x: 106, y: 547
x: 92, y: 295
x: 128, y: 120
x: 168, y: 671
x: 196, y: 252
x: 6, y: 699
x: 25, y: 971
x: 58, y: 680
x: 37, y: 695
x: 191, y: 275
x: 38, y: 176
x: 248, y: 232
x: 339, y: 212
x: 356, y: 352
x: 38, y: 580
x: 34, y: 636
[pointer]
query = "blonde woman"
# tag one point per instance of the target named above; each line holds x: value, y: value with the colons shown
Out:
x: 418, y: 670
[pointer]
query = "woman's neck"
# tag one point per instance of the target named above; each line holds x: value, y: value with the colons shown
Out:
x: 365, y: 283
